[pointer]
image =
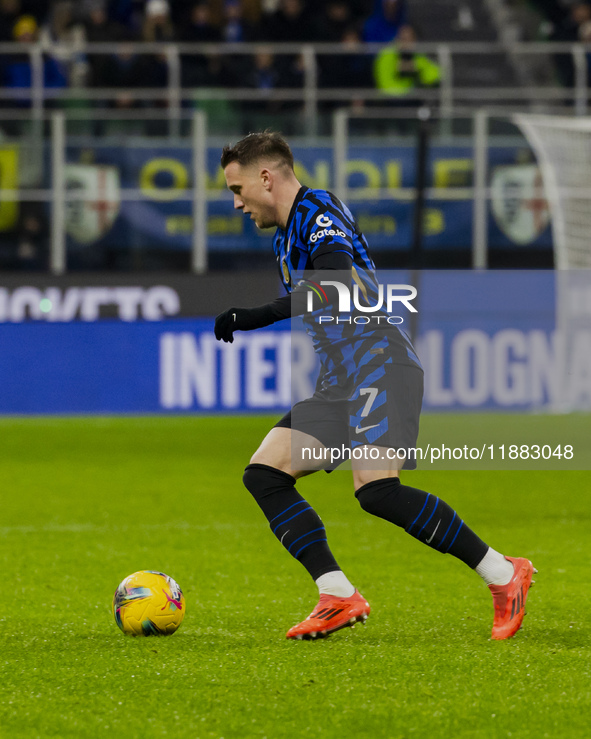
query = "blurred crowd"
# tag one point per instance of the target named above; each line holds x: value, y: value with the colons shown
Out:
x: 206, y: 20
x: 566, y: 21
x: 345, y: 22
x: 55, y: 34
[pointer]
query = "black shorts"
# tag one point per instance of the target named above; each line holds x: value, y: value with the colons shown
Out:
x: 383, y: 410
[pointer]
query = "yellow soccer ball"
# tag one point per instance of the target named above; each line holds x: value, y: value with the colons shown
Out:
x: 148, y: 603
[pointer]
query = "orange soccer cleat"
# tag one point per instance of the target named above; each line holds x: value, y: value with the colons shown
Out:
x: 509, y: 600
x: 331, y: 614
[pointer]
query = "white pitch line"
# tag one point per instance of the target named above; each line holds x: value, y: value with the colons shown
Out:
x: 81, y: 528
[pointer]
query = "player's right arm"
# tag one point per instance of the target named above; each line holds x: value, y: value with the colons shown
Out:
x: 327, y: 237
x: 294, y: 304
x: 244, y: 319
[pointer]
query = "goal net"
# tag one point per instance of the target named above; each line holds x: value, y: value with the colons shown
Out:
x: 563, y: 149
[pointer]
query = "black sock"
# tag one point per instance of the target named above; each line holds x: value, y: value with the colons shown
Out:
x: 293, y: 521
x: 424, y: 516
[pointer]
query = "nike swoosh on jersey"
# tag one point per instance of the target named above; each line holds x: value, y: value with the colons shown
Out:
x: 365, y: 428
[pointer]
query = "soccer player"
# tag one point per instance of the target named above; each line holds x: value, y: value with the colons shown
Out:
x: 368, y: 396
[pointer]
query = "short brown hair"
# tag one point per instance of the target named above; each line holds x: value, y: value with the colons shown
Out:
x: 257, y: 146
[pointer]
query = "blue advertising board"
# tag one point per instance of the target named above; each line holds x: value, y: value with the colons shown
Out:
x: 487, y: 341
x: 518, y: 213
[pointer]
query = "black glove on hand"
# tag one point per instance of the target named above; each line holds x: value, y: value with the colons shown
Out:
x: 241, y: 319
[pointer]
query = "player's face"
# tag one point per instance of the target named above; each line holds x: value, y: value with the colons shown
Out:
x: 252, y: 192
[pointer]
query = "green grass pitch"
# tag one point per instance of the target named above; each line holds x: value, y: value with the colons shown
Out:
x: 85, y: 502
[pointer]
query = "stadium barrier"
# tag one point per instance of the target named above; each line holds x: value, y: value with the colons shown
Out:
x: 310, y: 94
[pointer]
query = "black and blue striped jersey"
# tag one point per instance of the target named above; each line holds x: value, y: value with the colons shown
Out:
x: 320, y: 224
x: 322, y: 234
